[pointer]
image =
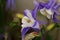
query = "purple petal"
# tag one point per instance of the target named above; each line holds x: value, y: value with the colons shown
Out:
x: 25, y: 13
x: 51, y: 3
x: 35, y: 3
x: 34, y: 11
x: 54, y: 2
x: 23, y: 32
x: 41, y: 5
x: 57, y: 6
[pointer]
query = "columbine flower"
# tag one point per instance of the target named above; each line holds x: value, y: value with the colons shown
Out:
x: 29, y: 21
x: 49, y: 9
x: 10, y: 4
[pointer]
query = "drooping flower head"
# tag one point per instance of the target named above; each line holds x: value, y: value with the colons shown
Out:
x: 29, y: 21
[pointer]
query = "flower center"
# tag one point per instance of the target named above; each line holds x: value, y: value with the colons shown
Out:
x: 28, y: 21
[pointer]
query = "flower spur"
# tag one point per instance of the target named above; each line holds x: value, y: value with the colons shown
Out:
x: 29, y: 22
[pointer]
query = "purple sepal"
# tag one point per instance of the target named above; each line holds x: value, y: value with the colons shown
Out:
x: 41, y: 5
x: 34, y: 11
x: 23, y: 32
x: 50, y: 4
x: 25, y: 13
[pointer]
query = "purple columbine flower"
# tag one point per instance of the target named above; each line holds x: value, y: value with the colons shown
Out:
x: 10, y: 4
x: 49, y: 9
x: 29, y: 21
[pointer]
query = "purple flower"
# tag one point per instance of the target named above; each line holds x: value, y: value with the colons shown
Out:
x: 29, y: 21
x: 50, y: 9
x: 10, y: 4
